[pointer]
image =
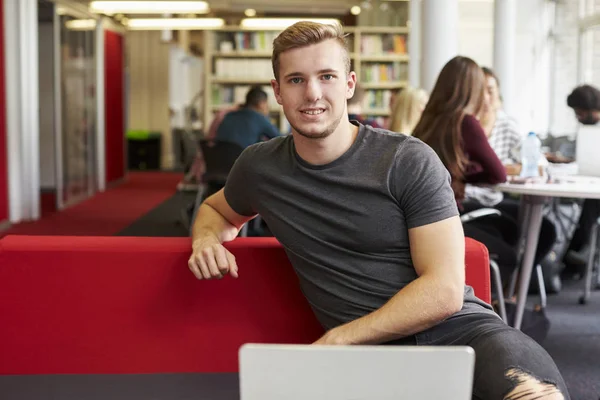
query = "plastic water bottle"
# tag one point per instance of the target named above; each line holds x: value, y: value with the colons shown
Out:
x: 530, y: 155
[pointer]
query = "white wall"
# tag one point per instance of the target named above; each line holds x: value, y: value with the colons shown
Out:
x: 533, y: 59
x: 476, y: 31
x: 47, y: 135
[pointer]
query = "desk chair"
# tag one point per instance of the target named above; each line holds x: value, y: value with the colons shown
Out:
x: 219, y: 158
x: 475, y: 215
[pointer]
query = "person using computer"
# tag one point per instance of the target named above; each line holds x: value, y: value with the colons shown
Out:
x: 585, y: 102
x: 369, y: 222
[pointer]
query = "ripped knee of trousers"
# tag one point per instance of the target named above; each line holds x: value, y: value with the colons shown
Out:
x: 527, y: 386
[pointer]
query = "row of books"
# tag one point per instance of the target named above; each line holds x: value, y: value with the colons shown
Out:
x: 383, y: 44
x: 384, y: 72
x: 377, y: 99
x: 239, y: 41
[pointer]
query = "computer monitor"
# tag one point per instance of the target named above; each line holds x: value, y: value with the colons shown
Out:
x: 588, y: 143
x: 304, y: 372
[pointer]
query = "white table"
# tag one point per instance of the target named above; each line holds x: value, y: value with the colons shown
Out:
x: 533, y: 197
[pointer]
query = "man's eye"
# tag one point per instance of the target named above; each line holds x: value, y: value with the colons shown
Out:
x: 295, y: 80
x: 328, y: 77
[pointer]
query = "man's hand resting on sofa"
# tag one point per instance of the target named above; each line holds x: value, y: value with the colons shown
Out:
x: 211, y: 260
x: 215, y: 223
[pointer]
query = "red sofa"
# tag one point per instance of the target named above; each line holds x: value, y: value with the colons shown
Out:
x: 94, y: 305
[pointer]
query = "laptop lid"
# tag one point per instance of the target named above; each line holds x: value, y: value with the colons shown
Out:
x: 588, y: 143
x: 303, y: 372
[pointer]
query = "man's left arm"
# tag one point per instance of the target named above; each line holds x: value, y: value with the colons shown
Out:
x: 438, y: 253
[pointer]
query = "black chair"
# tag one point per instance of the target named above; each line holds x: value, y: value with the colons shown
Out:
x: 219, y: 158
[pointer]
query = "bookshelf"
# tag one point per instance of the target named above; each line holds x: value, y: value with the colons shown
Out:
x: 238, y: 58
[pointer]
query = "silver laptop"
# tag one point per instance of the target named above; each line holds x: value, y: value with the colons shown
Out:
x: 588, y: 143
x: 303, y: 372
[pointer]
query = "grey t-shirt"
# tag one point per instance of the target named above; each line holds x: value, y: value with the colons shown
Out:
x: 344, y: 225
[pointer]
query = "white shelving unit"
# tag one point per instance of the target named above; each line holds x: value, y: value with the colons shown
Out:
x: 237, y: 58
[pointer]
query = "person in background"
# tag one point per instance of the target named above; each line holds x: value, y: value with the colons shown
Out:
x: 450, y: 126
x: 585, y: 102
x: 407, y: 109
x: 379, y: 251
x: 249, y: 124
x: 505, y: 138
x: 355, y: 108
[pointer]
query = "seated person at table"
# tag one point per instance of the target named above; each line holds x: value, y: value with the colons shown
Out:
x: 249, y: 124
x: 369, y: 222
x: 585, y: 102
x: 505, y: 139
x: 449, y: 125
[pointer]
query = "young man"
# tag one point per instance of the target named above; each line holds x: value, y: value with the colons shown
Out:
x: 585, y: 102
x: 369, y: 222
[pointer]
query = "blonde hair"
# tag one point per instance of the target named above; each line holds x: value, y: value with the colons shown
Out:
x: 306, y: 33
x: 406, y: 110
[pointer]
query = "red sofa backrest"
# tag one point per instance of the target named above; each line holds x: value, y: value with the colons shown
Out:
x: 130, y: 305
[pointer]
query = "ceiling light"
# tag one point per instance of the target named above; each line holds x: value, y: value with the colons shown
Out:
x: 149, y: 7
x: 147, y: 24
x: 81, y: 24
x: 250, y: 12
x: 281, y: 23
x: 355, y: 10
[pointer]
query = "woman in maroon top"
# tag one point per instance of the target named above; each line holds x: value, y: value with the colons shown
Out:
x: 449, y: 125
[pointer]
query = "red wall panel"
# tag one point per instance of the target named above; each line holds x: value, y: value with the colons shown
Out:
x: 114, y: 106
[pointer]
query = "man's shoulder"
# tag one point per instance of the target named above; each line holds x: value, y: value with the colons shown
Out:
x: 269, y: 147
x: 399, y: 143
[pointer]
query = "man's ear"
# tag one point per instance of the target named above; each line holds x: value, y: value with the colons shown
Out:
x: 351, y: 82
x: 276, y: 90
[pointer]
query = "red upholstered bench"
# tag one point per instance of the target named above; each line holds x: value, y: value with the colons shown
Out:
x: 115, y: 305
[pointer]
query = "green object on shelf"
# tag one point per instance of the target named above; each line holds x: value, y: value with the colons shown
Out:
x: 142, y: 135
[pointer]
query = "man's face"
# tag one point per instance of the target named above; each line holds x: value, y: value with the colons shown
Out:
x: 314, y: 87
x: 587, y: 117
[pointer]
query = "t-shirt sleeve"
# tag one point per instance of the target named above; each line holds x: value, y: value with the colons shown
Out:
x: 238, y: 188
x: 421, y: 185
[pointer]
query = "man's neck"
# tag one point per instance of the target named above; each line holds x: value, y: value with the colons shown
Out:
x: 323, y: 151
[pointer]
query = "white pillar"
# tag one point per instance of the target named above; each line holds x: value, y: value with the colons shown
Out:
x: 100, y: 108
x: 504, y: 49
x: 439, y: 38
x: 414, y: 43
x: 22, y: 108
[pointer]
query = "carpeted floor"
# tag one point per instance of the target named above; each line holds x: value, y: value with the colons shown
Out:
x: 109, y: 212
x: 573, y: 340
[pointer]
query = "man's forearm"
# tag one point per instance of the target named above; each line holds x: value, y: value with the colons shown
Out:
x: 210, y: 222
x: 420, y: 305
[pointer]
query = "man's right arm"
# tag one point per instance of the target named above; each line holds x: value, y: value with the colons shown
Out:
x: 215, y: 223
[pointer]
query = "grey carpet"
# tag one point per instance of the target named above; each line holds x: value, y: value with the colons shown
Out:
x: 121, y: 387
x: 573, y: 340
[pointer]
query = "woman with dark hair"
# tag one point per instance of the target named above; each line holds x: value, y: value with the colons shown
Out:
x: 450, y: 126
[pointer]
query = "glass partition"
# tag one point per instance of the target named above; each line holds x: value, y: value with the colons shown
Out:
x: 78, y: 108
